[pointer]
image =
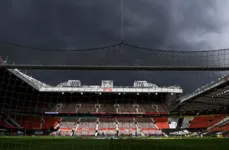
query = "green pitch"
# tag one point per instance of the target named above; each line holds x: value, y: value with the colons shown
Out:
x: 69, y: 143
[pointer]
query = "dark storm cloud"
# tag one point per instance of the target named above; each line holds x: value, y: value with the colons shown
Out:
x: 176, y: 24
x: 59, y: 24
x: 164, y: 24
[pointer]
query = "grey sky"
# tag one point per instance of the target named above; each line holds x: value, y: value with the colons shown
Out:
x: 160, y: 24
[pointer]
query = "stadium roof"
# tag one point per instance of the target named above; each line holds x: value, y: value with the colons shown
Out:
x: 76, y: 87
x: 213, y: 96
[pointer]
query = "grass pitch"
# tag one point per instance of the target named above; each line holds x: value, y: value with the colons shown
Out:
x: 69, y: 143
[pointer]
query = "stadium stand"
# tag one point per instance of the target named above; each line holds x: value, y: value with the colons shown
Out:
x: 86, y: 126
x: 125, y: 108
x: 107, y: 108
x: 146, y: 125
x: 224, y: 127
x: 161, y: 122
x: 205, y: 121
x: 209, y: 98
x: 186, y: 122
x: 68, y: 123
x: 146, y: 108
x: 107, y: 126
x: 173, y: 123
x: 67, y: 107
x: 126, y: 126
x: 86, y: 108
x: 31, y: 109
x: 36, y: 122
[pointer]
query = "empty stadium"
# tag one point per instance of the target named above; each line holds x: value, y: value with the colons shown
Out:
x: 114, y: 75
x: 71, y: 111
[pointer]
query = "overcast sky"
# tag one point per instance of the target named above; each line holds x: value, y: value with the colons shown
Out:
x: 187, y: 25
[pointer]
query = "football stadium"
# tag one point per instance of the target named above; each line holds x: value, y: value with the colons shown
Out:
x: 71, y: 115
x: 177, y: 99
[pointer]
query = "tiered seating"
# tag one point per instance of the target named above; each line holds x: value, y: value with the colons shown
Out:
x: 126, y: 126
x: 161, y: 108
x: 162, y: 122
x: 86, y: 126
x: 50, y: 122
x: 86, y: 108
x: 54, y: 108
x: 126, y: 123
x: 28, y: 106
x: 223, y: 128
x: 68, y: 108
x: 145, y: 124
x: 34, y: 106
x: 107, y: 126
x: 68, y: 124
x: 186, y: 122
x: 205, y: 121
x: 37, y: 122
x: 126, y: 108
x: 88, y: 123
x: 146, y: 108
x: 107, y: 123
x: 107, y: 108
x: 157, y: 108
x: 29, y: 122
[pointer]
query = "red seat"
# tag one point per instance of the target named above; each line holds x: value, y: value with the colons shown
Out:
x: 162, y: 123
x: 35, y: 122
x: 205, y: 121
x: 223, y: 128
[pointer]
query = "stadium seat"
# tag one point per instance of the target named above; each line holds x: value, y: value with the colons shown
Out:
x: 126, y: 108
x: 161, y: 122
x: 205, y: 121
x: 126, y: 126
x: 222, y: 128
x: 35, y: 122
x: 107, y: 108
x: 145, y: 123
x: 186, y: 122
